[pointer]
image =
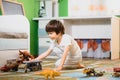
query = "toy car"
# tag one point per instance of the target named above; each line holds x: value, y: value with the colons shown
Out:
x: 92, y: 72
x: 30, y: 66
x: 116, y: 69
x: 116, y: 74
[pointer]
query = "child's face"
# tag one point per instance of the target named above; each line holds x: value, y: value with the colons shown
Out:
x: 53, y: 35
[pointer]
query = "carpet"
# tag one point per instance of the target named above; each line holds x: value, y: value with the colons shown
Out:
x: 73, y: 74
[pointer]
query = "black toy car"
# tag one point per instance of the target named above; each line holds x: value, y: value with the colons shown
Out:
x: 30, y: 66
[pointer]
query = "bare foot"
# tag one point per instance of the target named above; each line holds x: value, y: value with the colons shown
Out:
x: 80, y: 66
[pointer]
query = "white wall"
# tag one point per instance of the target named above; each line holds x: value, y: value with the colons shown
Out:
x: 93, y: 7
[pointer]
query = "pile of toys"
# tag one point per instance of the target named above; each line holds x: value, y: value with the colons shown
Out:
x: 12, y: 65
x: 21, y: 63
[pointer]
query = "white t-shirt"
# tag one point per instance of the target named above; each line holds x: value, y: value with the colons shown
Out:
x: 66, y: 40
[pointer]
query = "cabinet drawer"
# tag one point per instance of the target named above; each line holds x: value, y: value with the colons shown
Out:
x: 44, y: 42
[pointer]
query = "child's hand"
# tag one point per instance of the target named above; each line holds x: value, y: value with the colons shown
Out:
x: 35, y: 59
x: 59, y: 68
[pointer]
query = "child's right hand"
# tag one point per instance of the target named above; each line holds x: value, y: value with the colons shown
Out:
x: 34, y: 59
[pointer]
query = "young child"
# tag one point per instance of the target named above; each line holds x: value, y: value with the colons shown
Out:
x: 64, y: 46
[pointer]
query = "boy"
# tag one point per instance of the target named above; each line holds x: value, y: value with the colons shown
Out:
x: 64, y: 46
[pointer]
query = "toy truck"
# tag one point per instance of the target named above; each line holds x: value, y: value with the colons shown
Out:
x: 30, y: 66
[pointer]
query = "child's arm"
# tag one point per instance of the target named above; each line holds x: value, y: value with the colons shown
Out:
x: 67, y: 48
x: 43, y: 55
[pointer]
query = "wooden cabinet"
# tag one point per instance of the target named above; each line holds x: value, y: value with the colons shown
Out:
x: 115, y: 38
x: 95, y: 27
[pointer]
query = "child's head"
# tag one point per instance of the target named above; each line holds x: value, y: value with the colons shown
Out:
x: 55, y: 26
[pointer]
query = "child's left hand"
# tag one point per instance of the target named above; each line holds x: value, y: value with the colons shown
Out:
x: 59, y: 68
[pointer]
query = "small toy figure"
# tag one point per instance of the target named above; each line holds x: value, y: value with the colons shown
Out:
x: 48, y: 73
x: 116, y: 74
x: 25, y: 56
x: 91, y: 72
